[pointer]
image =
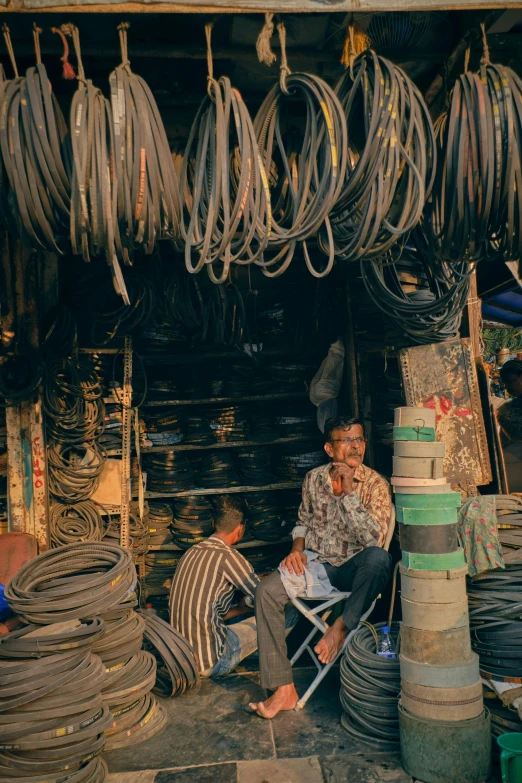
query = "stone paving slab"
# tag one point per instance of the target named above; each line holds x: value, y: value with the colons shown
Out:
x: 293, y: 770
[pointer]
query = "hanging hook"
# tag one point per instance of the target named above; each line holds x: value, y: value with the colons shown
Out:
x: 72, y: 31
x: 37, y: 31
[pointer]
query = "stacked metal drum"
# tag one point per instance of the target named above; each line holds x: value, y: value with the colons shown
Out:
x: 445, y: 731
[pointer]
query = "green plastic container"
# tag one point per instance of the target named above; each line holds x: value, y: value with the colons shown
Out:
x: 511, y: 757
x: 426, y: 502
x: 423, y: 434
x: 434, y: 562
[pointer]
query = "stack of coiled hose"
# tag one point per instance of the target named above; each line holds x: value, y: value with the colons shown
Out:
x: 95, y: 580
x: 36, y: 154
x: 430, y: 314
x: 305, y: 170
x: 227, y: 215
x: 391, y: 166
x: 370, y: 687
x: 477, y: 202
x: 177, y: 670
x: 148, y: 206
x: 75, y: 418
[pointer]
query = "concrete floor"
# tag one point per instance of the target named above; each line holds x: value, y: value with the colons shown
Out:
x: 212, y: 737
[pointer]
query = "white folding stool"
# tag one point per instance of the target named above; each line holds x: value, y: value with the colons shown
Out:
x: 320, y: 626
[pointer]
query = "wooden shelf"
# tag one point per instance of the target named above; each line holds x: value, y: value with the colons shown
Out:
x: 225, y: 490
x: 219, y: 400
x: 228, y: 444
x: 242, y: 545
x: 195, y: 357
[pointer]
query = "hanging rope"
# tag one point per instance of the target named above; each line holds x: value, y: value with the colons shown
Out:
x: 122, y: 32
x: 485, y: 59
x: 264, y: 52
x: 37, y: 31
x: 210, y: 64
x: 467, y: 55
x: 284, y: 70
x: 355, y: 43
x: 10, y: 50
x: 68, y: 71
x: 72, y: 31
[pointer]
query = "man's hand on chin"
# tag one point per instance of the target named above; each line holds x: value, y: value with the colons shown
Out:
x: 343, y: 472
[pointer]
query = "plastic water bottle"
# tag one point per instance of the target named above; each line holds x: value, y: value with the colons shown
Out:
x: 386, y: 648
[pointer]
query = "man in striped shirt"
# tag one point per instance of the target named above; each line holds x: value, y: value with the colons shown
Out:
x: 203, y: 589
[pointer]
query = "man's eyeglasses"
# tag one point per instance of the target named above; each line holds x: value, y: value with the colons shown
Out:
x: 358, y: 441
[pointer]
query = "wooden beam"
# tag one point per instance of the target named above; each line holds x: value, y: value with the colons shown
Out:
x: 257, y: 6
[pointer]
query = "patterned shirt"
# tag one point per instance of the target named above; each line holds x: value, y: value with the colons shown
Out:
x: 337, y: 528
x: 202, y: 590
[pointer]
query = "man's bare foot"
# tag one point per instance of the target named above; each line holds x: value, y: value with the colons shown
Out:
x: 284, y: 698
x: 330, y: 645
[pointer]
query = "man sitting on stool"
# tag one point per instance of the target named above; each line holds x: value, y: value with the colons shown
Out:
x: 203, y: 588
x: 344, y: 517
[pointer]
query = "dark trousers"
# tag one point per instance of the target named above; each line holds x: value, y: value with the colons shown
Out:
x: 365, y: 575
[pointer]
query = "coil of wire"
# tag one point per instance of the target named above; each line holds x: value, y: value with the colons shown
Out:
x: 72, y: 401
x: 229, y: 222
x: 305, y: 174
x: 428, y: 315
x: 74, y: 470
x: 36, y: 155
x: 72, y: 582
x: 477, y: 200
x: 370, y: 687
x: 93, y: 228
x: 71, y: 523
x: 391, y: 165
x: 148, y: 199
x: 177, y: 670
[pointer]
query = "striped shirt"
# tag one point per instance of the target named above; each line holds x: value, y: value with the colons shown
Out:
x: 202, y: 592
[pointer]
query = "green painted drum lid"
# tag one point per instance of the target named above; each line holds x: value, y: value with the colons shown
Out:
x: 415, y: 435
x: 426, y: 516
x: 408, y: 448
x: 440, y: 500
x: 454, y: 676
x: 429, y: 539
x: 433, y: 562
x: 414, y: 417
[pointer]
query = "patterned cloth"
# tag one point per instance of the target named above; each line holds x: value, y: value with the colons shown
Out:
x: 337, y: 528
x: 478, y: 535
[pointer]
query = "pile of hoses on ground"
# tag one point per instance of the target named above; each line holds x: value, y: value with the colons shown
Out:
x: 509, y: 526
x: 370, y: 688
x: 495, y: 598
x: 89, y: 587
x: 477, y: 202
x: 75, y: 418
x: 177, y: 670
